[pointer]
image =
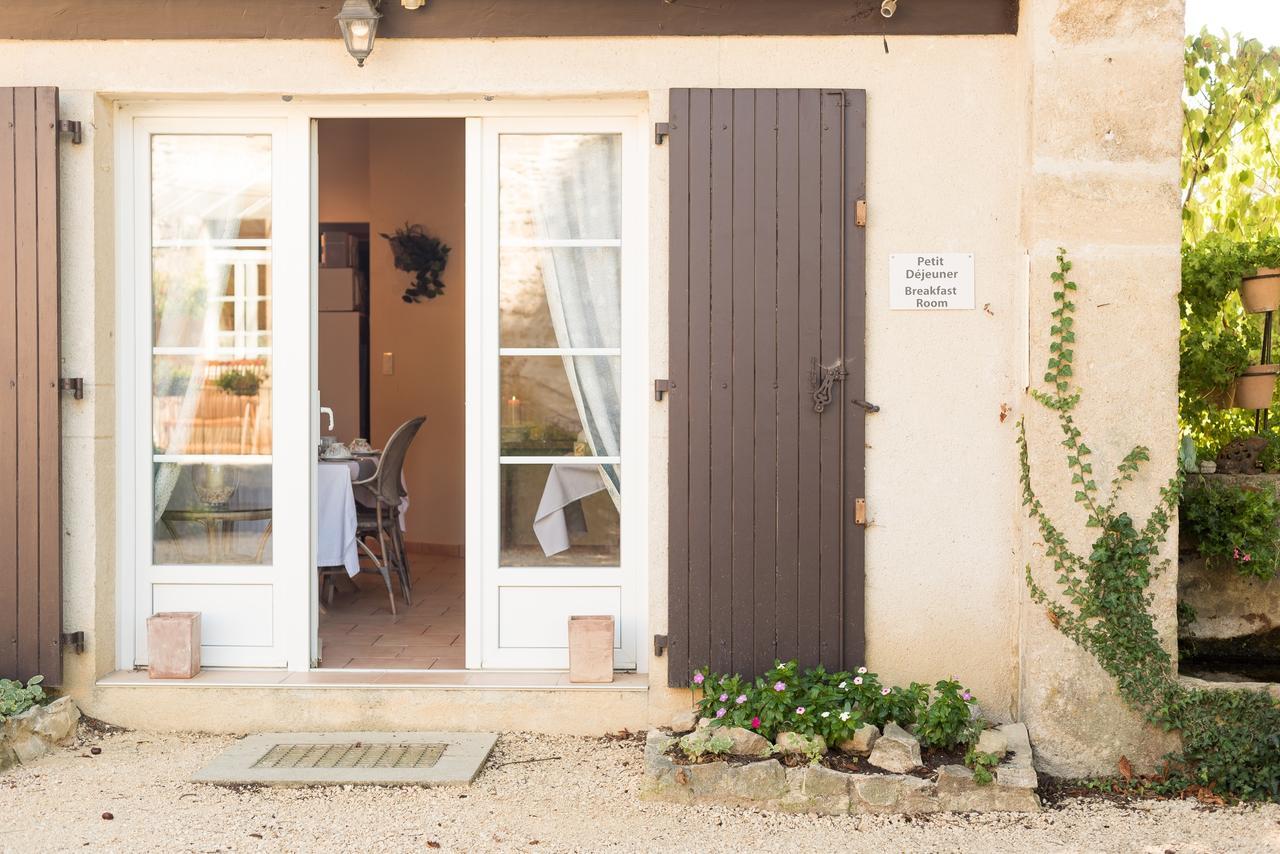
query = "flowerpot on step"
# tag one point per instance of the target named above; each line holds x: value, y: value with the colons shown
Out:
x: 1261, y: 292
x: 1255, y: 388
x: 173, y: 642
x: 591, y: 649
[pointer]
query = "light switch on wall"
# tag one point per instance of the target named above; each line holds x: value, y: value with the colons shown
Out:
x: 388, y: 364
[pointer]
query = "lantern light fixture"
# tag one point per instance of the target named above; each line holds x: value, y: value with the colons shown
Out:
x: 358, y: 22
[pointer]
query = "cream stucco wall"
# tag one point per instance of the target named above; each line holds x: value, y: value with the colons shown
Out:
x: 965, y: 141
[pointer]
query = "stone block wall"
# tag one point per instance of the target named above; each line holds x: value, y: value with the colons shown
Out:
x: 1104, y: 138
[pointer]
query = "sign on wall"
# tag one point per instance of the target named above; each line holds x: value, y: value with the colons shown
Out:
x: 931, y: 280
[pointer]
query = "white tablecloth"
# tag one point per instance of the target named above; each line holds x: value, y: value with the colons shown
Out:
x: 336, y: 517
x: 565, y: 485
x: 336, y: 511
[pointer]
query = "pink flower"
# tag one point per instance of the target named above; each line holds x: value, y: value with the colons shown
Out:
x: 720, y: 712
x: 884, y: 691
x: 967, y: 696
x: 779, y: 686
x: 857, y: 680
x: 698, y: 678
x: 724, y: 698
x: 862, y: 670
x: 755, y: 723
x: 742, y: 698
x: 799, y: 710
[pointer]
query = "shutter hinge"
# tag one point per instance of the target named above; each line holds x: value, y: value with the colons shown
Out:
x: 73, y: 128
x: 661, y: 387
x: 860, y: 512
x: 74, y: 640
x: 75, y: 385
x: 659, y: 645
x: 860, y: 213
x: 661, y: 131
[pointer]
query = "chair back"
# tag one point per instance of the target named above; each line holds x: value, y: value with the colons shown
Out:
x: 386, y: 486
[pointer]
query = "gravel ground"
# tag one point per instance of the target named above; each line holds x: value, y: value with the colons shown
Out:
x: 582, y: 796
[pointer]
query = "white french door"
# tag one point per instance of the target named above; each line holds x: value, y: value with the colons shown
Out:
x: 214, y: 358
x: 558, y: 447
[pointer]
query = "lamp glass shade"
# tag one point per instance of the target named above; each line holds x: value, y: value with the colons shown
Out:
x: 358, y: 22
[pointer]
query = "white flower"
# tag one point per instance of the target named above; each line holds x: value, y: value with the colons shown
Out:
x: 857, y: 680
x: 862, y: 670
x: 841, y: 686
x: 826, y: 714
x: 844, y: 716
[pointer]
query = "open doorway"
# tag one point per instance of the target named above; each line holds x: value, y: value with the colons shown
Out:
x: 391, y: 348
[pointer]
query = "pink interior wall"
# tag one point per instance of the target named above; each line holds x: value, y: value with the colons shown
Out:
x: 388, y: 172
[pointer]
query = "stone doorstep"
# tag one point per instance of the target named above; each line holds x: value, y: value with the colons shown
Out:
x: 37, y: 731
x: 768, y: 785
x: 463, y: 757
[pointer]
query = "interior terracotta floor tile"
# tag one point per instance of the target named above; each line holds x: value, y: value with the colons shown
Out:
x: 359, y: 630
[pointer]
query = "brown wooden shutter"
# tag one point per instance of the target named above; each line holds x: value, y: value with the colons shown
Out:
x: 30, y: 428
x: 767, y: 287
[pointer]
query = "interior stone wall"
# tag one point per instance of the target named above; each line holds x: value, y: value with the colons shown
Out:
x: 1104, y: 125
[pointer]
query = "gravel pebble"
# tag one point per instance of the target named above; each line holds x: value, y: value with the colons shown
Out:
x: 580, y: 796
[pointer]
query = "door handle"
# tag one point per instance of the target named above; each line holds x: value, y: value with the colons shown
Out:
x: 822, y: 378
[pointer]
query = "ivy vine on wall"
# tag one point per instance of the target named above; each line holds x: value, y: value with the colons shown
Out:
x: 1230, y: 737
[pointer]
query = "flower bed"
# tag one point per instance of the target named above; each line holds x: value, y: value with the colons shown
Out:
x: 800, y: 742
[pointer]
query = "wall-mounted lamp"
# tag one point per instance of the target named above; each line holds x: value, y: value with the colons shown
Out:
x: 888, y: 7
x: 413, y: 4
x: 358, y: 22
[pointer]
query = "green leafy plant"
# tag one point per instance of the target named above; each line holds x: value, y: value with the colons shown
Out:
x: 948, y: 719
x: 1269, y: 459
x: 1234, y: 525
x: 982, y: 765
x: 703, y: 742
x: 16, y: 698
x: 1230, y: 740
x: 238, y: 382
x: 424, y: 256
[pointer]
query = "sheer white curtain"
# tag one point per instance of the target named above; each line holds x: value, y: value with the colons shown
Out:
x: 579, y: 196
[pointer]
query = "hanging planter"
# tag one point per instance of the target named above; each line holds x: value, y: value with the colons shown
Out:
x: 424, y: 256
x: 1261, y: 292
x: 1255, y: 388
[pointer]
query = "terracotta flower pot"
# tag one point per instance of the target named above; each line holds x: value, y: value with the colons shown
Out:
x: 1261, y: 292
x: 1255, y: 388
x: 591, y: 649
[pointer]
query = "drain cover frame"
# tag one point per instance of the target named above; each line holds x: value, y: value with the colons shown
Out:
x: 351, y: 758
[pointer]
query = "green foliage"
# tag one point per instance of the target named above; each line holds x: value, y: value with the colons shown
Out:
x: 15, y: 698
x: 832, y: 705
x: 1269, y: 459
x: 1231, y: 125
x: 695, y: 745
x: 238, y: 382
x: 1237, y: 526
x: 982, y: 765
x: 1231, y: 738
x: 948, y: 720
x: 1218, y: 339
x: 424, y: 256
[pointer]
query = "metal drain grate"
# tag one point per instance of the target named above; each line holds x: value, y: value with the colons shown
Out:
x: 351, y: 755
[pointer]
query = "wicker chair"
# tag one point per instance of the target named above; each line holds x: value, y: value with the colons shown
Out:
x: 378, y: 511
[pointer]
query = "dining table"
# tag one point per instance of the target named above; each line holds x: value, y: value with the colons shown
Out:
x: 336, y: 508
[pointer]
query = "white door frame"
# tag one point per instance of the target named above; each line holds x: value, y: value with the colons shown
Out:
x: 296, y: 241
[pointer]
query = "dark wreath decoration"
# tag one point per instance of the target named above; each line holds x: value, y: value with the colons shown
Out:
x: 424, y: 256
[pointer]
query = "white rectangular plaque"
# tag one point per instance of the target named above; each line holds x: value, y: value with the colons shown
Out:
x: 924, y: 281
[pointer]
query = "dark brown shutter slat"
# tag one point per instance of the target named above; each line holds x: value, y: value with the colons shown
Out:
x: 830, y: 425
x: 8, y: 394
x: 30, y: 429
x: 721, y: 379
x: 678, y: 401
x: 790, y: 377
x: 742, y: 384
x: 855, y: 428
x: 760, y: 187
x: 699, y: 385
x: 765, y: 353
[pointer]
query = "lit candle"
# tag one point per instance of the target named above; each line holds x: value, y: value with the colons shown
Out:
x: 513, y: 411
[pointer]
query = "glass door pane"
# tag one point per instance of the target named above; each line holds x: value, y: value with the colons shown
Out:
x: 211, y: 377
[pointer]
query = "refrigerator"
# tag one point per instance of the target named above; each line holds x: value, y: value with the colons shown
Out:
x: 344, y: 352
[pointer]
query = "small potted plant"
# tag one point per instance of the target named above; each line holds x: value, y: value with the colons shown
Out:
x: 1261, y: 291
x: 1255, y: 388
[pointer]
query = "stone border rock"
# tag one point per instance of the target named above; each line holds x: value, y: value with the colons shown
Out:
x: 769, y: 785
x: 37, y: 731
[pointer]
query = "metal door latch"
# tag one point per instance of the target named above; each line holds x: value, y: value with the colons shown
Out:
x: 822, y: 378
x: 75, y: 385
x: 867, y: 405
